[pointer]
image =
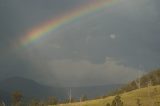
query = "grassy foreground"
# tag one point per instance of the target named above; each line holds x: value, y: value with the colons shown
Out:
x: 149, y: 96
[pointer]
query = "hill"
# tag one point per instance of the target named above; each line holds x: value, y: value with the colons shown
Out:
x: 145, y: 90
x: 151, y: 78
x: 31, y: 89
x: 148, y: 96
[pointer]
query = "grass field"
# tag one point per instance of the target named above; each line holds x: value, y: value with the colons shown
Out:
x: 149, y: 96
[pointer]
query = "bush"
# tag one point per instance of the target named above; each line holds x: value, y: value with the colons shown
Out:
x: 139, y: 102
x: 16, y: 98
x: 117, y: 101
x: 108, y: 104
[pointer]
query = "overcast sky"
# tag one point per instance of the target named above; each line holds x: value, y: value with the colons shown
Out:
x: 106, y: 47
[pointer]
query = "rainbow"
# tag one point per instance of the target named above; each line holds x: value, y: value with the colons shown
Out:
x: 39, y: 31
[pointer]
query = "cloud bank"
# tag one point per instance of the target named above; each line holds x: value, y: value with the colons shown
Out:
x: 110, y: 46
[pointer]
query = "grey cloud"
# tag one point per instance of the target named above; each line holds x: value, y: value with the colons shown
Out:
x: 86, y: 73
x: 135, y: 35
x: 84, y: 42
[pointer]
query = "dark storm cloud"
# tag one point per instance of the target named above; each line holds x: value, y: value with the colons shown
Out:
x: 136, y: 31
x: 18, y: 16
x: 128, y: 33
x: 136, y: 43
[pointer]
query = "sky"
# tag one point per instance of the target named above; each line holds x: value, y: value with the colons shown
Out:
x: 110, y: 46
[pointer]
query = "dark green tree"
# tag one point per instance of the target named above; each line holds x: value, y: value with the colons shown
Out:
x: 17, y: 98
x: 117, y: 101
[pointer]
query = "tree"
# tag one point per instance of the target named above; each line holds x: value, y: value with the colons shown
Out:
x: 117, y: 101
x: 34, y: 102
x: 16, y: 98
x: 2, y: 103
x: 139, y: 102
x: 52, y: 101
x: 84, y: 98
x: 71, y: 100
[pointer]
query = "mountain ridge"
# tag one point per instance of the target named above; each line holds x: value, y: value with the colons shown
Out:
x: 31, y: 89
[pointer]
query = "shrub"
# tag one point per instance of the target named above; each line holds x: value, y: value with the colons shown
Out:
x: 117, y: 101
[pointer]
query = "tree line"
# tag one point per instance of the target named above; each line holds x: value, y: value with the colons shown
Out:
x: 17, y: 99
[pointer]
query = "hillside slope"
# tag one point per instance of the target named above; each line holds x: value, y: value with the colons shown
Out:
x: 149, y: 96
x: 152, y: 77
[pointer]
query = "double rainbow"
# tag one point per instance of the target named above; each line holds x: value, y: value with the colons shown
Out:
x: 39, y: 31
